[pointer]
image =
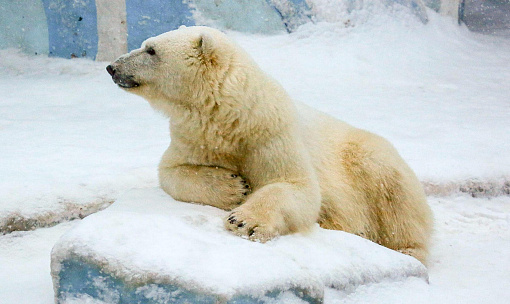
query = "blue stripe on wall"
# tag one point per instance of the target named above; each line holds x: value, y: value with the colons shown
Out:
x: 146, y: 19
x: 72, y: 26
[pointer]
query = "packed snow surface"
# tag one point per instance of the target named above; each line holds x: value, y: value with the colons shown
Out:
x: 155, y: 238
x: 69, y: 137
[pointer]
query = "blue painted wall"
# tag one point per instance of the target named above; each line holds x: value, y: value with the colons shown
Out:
x: 69, y: 28
x: 72, y: 27
x: 145, y: 20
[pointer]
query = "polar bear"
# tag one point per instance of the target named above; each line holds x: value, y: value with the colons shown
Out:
x: 239, y: 143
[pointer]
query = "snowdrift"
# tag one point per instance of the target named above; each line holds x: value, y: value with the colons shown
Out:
x: 149, y: 248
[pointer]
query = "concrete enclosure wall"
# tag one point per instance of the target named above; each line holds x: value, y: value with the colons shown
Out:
x: 104, y: 29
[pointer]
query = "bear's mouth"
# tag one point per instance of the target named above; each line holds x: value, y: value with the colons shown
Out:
x: 125, y: 82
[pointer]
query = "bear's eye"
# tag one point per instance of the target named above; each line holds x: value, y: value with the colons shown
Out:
x: 151, y: 51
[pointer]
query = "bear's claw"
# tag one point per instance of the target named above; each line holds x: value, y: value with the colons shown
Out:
x: 246, y: 227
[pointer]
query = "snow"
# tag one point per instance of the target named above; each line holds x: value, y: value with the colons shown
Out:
x: 70, y: 139
x: 25, y: 265
x: 469, y: 260
x: 153, y: 238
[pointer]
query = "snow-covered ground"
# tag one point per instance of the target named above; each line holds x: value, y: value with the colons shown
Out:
x: 69, y: 138
x: 469, y: 260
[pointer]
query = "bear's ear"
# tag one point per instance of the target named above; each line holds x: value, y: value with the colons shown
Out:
x: 205, y: 46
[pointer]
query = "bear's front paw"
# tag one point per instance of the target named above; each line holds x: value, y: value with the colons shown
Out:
x: 236, y: 191
x: 245, y: 225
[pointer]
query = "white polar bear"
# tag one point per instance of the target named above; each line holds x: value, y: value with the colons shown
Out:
x: 239, y: 143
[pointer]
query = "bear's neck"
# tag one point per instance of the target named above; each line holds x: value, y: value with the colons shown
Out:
x: 230, y: 124
x: 212, y: 126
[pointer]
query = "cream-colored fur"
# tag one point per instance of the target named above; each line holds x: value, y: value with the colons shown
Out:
x: 239, y: 143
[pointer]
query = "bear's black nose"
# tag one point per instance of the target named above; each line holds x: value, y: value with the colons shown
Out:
x: 110, y: 70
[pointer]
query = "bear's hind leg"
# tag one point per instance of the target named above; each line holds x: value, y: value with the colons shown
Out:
x: 404, y: 217
x: 400, y: 215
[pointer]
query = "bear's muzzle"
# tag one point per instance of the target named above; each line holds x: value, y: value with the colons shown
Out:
x: 123, y: 81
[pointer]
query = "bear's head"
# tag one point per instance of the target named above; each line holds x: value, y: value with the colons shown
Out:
x: 178, y: 67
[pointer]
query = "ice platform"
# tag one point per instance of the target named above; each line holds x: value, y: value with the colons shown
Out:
x: 149, y: 248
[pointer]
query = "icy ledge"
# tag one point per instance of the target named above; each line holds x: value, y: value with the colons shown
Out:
x: 149, y: 248
x: 63, y: 211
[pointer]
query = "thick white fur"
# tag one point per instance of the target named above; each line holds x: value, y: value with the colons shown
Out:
x: 233, y: 127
